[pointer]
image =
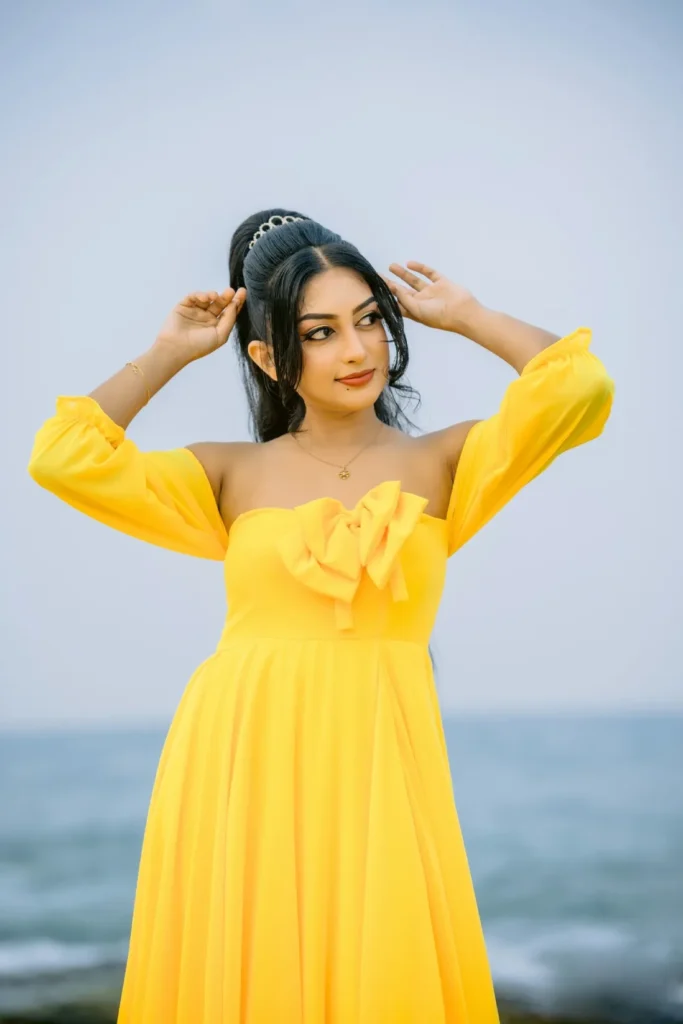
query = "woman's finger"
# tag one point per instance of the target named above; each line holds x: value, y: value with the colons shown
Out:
x: 399, y: 294
x: 406, y: 301
x: 422, y: 268
x: 225, y: 298
x: 393, y: 287
x: 412, y: 279
x: 228, y: 317
x: 217, y: 304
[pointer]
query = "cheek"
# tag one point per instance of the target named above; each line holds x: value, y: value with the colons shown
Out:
x: 380, y: 352
x: 318, y: 369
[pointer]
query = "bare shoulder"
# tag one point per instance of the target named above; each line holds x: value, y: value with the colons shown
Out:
x: 448, y: 443
x: 221, y: 458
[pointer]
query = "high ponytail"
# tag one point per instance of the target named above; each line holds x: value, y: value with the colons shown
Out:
x: 275, y: 272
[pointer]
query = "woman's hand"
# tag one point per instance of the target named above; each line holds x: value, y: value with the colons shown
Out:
x: 436, y: 302
x: 201, y: 323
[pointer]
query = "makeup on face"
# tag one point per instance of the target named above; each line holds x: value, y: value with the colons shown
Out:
x: 357, y: 380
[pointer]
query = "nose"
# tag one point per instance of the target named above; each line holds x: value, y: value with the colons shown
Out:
x: 353, y: 348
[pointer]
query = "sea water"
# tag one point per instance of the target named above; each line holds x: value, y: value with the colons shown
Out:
x: 573, y: 826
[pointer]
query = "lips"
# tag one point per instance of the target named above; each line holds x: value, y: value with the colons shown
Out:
x: 357, y: 378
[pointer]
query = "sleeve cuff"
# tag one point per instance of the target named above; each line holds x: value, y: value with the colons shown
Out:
x: 576, y: 343
x: 83, y: 409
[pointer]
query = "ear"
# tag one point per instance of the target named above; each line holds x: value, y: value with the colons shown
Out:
x: 262, y: 354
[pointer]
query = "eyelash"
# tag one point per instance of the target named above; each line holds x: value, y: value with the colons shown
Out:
x: 375, y: 314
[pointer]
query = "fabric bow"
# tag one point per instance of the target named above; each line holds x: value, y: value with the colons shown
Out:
x: 329, y: 546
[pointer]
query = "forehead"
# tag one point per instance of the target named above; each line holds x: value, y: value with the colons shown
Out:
x: 334, y: 291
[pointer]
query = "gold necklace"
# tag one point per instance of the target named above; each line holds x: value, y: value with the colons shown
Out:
x: 344, y: 473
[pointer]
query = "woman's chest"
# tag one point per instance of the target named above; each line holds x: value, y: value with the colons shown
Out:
x: 281, y: 479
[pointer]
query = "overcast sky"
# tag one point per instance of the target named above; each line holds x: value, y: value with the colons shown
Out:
x: 530, y: 150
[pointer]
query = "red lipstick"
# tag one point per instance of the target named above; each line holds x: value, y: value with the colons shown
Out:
x: 357, y: 379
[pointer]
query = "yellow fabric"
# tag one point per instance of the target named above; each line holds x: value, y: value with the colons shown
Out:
x: 332, y: 545
x: 84, y: 458
x: 562, y: 399
x: 303, y: 859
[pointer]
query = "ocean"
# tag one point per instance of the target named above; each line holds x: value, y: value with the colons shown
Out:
x: 573, y: 825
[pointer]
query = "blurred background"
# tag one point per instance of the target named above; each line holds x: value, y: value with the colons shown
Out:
x: 532, y: 151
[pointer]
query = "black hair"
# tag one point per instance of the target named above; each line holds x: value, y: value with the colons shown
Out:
x: 275, y: 272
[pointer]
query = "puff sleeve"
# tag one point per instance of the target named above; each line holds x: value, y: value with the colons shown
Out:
x: 83, y: 457
x: 561, y: 399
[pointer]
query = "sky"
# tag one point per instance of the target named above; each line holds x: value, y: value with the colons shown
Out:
x: 531, y: 151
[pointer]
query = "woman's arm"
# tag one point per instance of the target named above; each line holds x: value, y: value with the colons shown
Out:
x: 124, y: 394
x: 441, y: 303
x: 83, y: 455
x: 195, y: 327
x: 561, y: 399
x: 513, y: 340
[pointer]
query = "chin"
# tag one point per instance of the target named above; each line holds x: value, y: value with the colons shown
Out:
x: 360, y: 398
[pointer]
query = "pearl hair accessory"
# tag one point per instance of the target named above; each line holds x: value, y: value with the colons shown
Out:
x: 276, y: 221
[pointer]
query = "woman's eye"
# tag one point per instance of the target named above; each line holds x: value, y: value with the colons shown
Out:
x: 373, y: 317
x: 312, y: 335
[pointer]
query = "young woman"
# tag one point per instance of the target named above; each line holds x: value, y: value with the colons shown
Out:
x: 302, y: 859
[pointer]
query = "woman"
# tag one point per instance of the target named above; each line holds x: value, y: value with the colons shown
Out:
x: 302, y: 858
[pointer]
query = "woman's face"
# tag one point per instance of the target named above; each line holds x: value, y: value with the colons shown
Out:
x: 342, y: 334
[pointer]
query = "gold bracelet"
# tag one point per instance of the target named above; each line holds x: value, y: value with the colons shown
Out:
x: 136, y: 368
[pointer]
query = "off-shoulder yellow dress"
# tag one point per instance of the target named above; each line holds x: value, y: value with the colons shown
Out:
x: 303, y: 861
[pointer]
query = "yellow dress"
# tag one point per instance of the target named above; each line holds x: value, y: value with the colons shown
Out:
x: 302, y: 860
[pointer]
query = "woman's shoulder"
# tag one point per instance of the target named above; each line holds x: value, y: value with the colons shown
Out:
x: 220, y: 458
x: 236, y: 461
x: 447, y: 444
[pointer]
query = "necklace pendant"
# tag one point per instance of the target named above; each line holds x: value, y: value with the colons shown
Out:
x: 344, y: 473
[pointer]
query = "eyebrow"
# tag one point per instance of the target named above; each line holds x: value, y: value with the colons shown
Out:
x: 333, y: 316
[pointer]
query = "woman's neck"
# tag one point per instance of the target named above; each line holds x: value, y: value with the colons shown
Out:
x: 344, y: 431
